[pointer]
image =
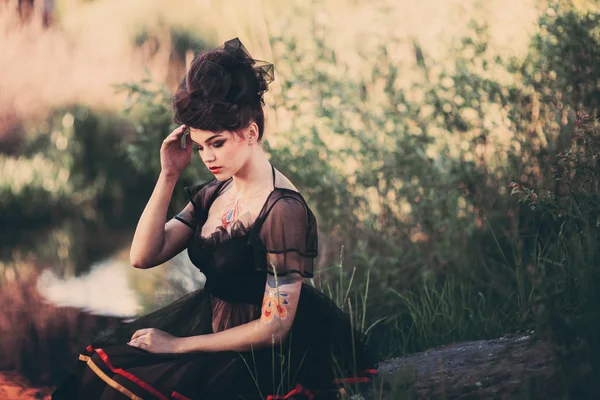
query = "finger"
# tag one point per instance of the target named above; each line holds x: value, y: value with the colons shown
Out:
x: 139, y: 341
x: 178, y: 131
x: 188, y: 143
x: 170, y: 140
x: 176, y: 134
x: 171, y: 144
x: 139, y: 333
x: 139, y: 345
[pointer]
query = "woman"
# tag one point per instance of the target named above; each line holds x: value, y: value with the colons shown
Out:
x: 255, y: 330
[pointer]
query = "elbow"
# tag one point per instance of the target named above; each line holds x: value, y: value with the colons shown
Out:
x: 138, y: 265
x: 138, y: 262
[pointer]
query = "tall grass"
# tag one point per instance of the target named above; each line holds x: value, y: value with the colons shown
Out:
x: 81, y: 59
x: 452, y: 312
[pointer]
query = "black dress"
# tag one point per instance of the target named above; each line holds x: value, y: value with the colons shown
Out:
x: 321, y: 353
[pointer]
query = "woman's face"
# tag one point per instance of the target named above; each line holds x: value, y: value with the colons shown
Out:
x: 227, y: 150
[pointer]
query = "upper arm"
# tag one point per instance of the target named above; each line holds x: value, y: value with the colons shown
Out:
x: 280, y: 302
x: 178, y: 231
x: 289, y: 239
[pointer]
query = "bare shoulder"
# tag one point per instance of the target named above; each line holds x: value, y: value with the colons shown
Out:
x: 282, y: 181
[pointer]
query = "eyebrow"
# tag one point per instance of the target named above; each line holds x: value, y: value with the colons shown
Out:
x: 209, y: 139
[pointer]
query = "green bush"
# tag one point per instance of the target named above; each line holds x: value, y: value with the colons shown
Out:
x: 70, y: 161
x: 71, y: 190
x: 566, y: 300
x: 149, y: 108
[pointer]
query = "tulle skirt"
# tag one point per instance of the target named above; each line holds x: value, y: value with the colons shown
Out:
x: 321, y: 354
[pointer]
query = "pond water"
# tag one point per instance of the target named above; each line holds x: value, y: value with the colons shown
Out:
x: 64, y: 284
x: 113, y: 287
x: 79, y: 268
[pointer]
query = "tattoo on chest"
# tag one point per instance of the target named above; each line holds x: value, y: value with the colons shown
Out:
x: 231, y: 213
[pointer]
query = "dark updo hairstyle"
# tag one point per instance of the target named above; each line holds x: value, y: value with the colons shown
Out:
x: 222, y: 90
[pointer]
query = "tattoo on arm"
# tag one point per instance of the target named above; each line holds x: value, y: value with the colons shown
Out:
x: 275, y: 303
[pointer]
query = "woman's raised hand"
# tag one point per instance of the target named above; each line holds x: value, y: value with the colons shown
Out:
x: 173, y: 157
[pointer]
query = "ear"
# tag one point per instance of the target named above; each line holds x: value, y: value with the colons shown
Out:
x: 252, y: 133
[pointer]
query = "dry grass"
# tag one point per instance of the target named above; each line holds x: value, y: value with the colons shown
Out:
x: 90, y: 48
x: 91, y: 45
x: 45, y: 68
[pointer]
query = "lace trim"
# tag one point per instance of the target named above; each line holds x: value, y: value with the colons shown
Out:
x: 222, y: 235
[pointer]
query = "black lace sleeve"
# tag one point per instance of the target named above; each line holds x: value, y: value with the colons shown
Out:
x: 288, y: 235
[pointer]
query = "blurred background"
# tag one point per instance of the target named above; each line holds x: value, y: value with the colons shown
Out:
x: 449, y: 150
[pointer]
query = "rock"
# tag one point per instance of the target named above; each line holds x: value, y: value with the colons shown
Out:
x: 499, y: 368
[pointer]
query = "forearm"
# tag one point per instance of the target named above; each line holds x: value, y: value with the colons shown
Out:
x: 246, y: 337
x: 278, y: 312
x: 149, y: 236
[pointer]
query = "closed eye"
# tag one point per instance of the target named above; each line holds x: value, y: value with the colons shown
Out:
x: 216, y: 145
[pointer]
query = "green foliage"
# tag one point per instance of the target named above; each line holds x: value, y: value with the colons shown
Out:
x: 70, y: 161
x: 566, y: 301
x: 69, y: 186
x: 182, y: 39
x: 149, y: 107
x: 574, y: 202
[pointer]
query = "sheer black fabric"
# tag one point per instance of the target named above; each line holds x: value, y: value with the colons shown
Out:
x: 287, y: 234
x: 193, y: 211
x: 263, y: 70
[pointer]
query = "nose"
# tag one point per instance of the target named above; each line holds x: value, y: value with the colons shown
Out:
x: 207, y: 156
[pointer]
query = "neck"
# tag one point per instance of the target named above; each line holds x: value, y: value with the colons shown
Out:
x: 255, y: 176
